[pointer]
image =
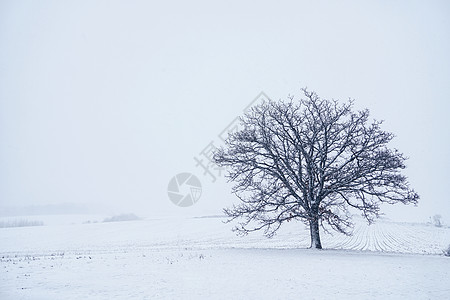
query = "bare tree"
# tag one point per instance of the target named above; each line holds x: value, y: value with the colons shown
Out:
x: 310, y: 160
x: 437, y: 220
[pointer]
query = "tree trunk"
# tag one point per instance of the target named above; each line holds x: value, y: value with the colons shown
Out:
x: 315, y: 234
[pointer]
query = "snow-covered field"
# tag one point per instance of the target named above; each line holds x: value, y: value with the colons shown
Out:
x: 191, y: 258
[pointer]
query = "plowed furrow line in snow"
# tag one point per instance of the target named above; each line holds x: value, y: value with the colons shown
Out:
x: 386, y: 239
x: 402, y: 241
x: 389, y: 241
x: 378, y: 238
x: 349, y: 242
x: 336, y: 241
x: 375, y: 237
x: 357, y: 242
x: 365, y: 239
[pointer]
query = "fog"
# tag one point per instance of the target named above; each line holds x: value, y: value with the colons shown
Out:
x: 103, y: 102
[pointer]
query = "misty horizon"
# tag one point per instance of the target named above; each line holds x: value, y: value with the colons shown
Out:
x: 103, y: 104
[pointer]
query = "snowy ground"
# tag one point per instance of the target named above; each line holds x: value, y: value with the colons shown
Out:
x: 200, y: 258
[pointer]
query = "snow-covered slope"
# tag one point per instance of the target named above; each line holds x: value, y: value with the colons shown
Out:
x: 202, y: 258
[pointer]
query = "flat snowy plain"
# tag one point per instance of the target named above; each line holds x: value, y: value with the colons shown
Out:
x: 200, y: 258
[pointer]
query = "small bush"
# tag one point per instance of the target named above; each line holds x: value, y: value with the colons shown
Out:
x: 437, y: 220
x: 447, y: 251
x: 122, y: 217
x: 20, y: 223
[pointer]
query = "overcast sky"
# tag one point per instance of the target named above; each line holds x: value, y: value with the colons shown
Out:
x: 103, y: 102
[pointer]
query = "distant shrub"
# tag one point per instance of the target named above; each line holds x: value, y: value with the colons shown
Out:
x: 122, y: 217
x: 437, y: 220
x: 447, y: 251
x: 89, y: 222
x: 20, y: 223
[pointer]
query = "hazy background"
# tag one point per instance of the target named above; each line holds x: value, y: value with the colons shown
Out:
x: 103, y: 102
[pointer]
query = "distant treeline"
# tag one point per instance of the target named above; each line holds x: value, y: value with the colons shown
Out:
x: 20, y: 223
x: 122, y: 217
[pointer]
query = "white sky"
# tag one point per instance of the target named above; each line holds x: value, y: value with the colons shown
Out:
x: 102, y: 102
